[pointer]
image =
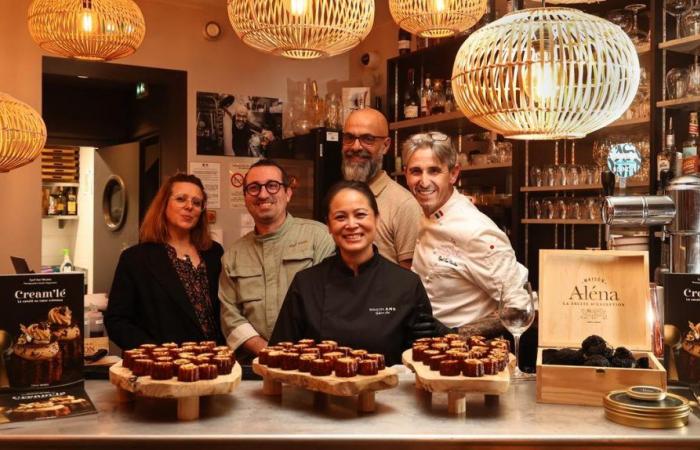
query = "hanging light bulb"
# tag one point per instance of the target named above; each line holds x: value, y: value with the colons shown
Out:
x: 541, y: 76
x: 302, y: 29
x: 86, y: 21
x: 297, y: 7
x: 436, y: 18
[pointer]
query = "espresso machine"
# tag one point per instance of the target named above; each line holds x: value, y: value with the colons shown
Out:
x: 678, y: 211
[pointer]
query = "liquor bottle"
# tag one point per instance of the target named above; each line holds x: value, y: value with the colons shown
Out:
x: 411, y: 102
x: 449, y: 97
x: 437, y: 100
x: 426, y: 95
x: 72, y: 202
x: 67, y: 264
x: 690, y: 146
x: 663, y: 159
x: 53, y: 199
x: 404, y: 42
x: 60, y: 202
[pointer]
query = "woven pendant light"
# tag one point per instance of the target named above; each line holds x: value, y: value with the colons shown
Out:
x: 94, y: 30
x: 22, y: 133
x: 546, y: 73
x: 302, y: 29
x: 436, y: 18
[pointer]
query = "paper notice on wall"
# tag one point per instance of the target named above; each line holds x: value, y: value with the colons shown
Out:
x: 210, y: 174
x: 236, y: 175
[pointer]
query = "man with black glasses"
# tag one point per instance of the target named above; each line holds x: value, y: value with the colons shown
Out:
x: 259, y: 267
x: 365, y: 142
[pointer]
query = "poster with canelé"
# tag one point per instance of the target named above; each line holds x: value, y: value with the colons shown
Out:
x: 41, y: 347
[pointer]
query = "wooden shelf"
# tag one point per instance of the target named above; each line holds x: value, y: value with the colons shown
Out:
x: 65, y: 217
x: 580, y: 187
x: 428, y: 120
x: 560, y: 222
x: 690, y: 103
x: 59, y: 184
x: 472, y: 168
x: 643, y: 48
x: 689, y: 45
x: 628, y: 122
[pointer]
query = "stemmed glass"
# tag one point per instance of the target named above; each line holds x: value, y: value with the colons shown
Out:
x: 517, y: 312
x: 637, y: 35
x: 676, y: 8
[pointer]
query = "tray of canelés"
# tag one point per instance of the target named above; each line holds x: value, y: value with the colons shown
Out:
x: 186, y: 371
x: 457, y: 366
x: 324, y: 367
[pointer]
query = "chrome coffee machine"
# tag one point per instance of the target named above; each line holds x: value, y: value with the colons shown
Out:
x: 678, y: 211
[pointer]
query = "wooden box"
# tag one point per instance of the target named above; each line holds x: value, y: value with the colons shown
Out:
x: 585, y: 292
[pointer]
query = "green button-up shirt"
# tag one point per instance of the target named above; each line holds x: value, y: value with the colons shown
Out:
x: 257, y: 271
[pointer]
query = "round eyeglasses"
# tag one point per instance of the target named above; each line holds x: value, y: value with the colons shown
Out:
x: 272, y: 187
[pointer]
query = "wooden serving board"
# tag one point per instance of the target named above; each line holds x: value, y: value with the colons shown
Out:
x: 364, y: 386
x: 457, y: 387
x: 187, y: 393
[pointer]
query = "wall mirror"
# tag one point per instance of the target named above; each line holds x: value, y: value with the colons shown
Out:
x: 114, y: 202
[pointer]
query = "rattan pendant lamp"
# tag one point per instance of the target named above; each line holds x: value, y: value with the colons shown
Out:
x: 94, y: 30
x: 546, y: 73
x: 22, y: 133
x: 436, y: 18
x: 302, y: 29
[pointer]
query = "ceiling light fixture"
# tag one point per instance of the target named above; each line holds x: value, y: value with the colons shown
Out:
x: 302, y: 29
x: 22, y: 133
x: 546, y: 73
x: 436, y: 18
x: 94, y: 30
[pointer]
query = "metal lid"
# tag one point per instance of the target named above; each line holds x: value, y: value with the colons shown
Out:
x: 685, y: 182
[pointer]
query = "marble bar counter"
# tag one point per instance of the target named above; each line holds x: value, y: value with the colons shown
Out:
x: 405, y: 419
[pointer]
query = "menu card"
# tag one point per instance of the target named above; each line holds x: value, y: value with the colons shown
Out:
x: 682, y: 327
x: 41, y: 347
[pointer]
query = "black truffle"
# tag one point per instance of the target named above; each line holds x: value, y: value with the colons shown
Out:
x: 643, y: 363
x: 596, y: 345
x: 616, y: 361
x: 565, y: 356
x: 622, y: 352
x: 597, y: 361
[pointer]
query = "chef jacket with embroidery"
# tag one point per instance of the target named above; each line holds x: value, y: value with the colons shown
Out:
x: 257, y: 271
x: 373, y: 310
x: 466, y: 263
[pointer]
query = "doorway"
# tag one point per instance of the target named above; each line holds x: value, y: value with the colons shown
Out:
x: 122, y: 121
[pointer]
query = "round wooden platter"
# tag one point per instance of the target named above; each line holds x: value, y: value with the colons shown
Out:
x: 458, y: 387
x: 187, y: 394
x: 364, y: 386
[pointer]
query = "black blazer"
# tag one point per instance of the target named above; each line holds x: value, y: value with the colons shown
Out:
x: 148, y: 303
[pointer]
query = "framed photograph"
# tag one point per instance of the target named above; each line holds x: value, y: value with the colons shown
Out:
x: 237, y: 125
x: 354, y: 98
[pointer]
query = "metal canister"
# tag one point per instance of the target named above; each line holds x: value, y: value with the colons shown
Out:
x: 685, y: 229
x: 639, y: 210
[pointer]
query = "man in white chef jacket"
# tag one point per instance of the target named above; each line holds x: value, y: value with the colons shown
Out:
x: 465, y: 261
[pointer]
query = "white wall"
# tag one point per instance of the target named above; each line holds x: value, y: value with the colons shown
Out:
x: 83, y: 250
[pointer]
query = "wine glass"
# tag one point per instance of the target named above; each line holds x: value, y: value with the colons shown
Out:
x: 621, y: 18
x: 676, y: 8
x: 516, y: 310
x: 637, y: 35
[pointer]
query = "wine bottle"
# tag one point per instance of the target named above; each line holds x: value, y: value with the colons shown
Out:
x: 410, y: 99
x: 404, y: 42
x: 690, y: 146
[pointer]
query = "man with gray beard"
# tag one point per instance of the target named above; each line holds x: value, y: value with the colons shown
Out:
x: 365, y: 141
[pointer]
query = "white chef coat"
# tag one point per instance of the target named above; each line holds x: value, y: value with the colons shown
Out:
x: 466, y: 263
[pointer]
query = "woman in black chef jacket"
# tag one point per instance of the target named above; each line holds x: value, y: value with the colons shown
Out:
x: 356, y: 297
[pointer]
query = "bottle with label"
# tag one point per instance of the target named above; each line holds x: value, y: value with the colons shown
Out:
x: 72, y: 202
x: 52, y: 201
x: 411, y: 102
x: 449, y: 97
x: 690, y: 146
x: 437, y: 101
x: 67, y: 264
x: 404, y: 42
x: 663, y: 159
x: 60, y: 202
x: 426, y: 96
